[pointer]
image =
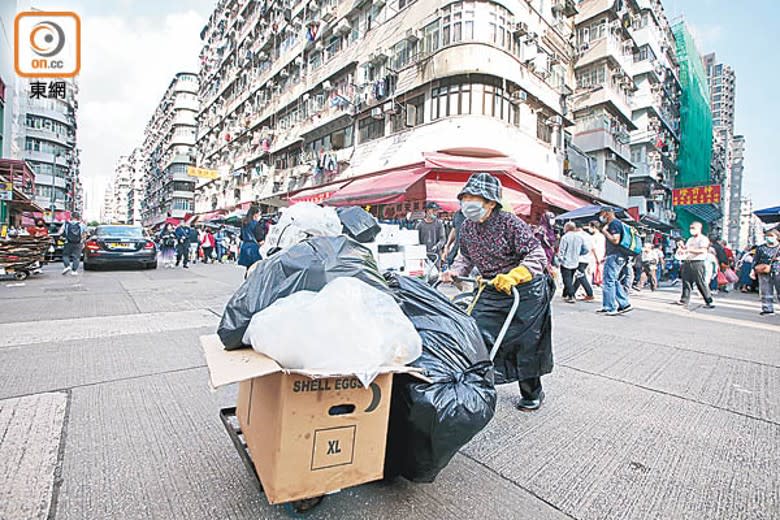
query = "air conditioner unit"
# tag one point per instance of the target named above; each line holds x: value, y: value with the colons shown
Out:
x: 378, y: 56
x: 299, y: 61
x: 319, y: 47
x: 376, y: 113
x: 343, y: 27
x: 327, y: 86
x: 519, y: 96
x: 544, y: 74
x: 306, y: 96
x: 284, y: 74
x: 390, y: 107
x: 413, y: 35
x: 611, y: 156
x: 521, y: 29
x: 378, y: 4
x: 554, y: 121
x: 532, y: 37
x: 328, y: 16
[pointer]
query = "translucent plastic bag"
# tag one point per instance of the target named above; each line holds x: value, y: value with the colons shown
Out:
x: 348, y: 327
x: 299, y: 222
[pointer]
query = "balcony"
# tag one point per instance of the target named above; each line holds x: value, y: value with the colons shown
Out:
x: 46, y: 180
x: 185, y: 104
x: 592, y: 140
x: 605, y: 95
x: 607, y: 47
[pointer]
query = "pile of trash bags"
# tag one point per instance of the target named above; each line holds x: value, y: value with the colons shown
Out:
x: 319, y: 302
x: 430, y: 422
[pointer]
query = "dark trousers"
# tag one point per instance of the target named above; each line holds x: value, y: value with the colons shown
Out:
x: 581, y: 280
x: 207, y: 254
x: 693, y: 274
x: 183, y: 253
x: 530, y: 388
x: 568, y: 282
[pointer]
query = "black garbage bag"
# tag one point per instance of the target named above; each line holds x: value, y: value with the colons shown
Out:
x: 526, y: 351
x: 430, y: 422
x: 307, y: 266
x: 358, y: 223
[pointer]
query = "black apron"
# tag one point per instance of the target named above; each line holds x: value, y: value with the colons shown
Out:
x: 526, y: 351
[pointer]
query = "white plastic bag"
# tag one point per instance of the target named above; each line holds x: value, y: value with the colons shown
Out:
x: 348, y: 327
x: 299, y: 222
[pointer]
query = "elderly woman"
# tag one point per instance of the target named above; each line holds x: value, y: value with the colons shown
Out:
x: 503, y: 249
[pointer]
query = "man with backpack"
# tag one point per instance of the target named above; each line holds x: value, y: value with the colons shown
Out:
x: 73, y: 232
x: 615, y: 297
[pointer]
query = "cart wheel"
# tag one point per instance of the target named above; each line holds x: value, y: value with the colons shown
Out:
x: 21, y: 275
x: 302, y: 508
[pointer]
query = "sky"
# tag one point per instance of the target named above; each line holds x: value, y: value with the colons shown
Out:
x: 132, y: 48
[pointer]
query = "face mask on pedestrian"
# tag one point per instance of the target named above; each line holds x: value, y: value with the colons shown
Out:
x: 602, y: 219
x: 694, y: 231
x: 772, y: 241
x: 473, y: 210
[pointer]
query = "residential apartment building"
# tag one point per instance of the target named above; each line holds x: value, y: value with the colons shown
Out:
x: 45, y: 134
x: 751, y: 229
x: 167, y: 151
x: 300, y: 94
x: 122, y: 186
x: 7, y: 77
x: 107, y: 209
x: 655, y: 113
x: 603, y: 99
x: 735, y: 192
x: 135, y: 194
x: 721, y: 79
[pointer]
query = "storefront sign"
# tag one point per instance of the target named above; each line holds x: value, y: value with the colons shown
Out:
x: 202, y: 173
x: 696, y: 195
x: 6, y: 190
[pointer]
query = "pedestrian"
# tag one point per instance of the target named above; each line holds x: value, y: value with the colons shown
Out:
x: 767, y: 269
x: 504, y: 249
x: 570, y: 249
x: 167, y: 243
x: 431, y: 231
x: 586, y: 261
x: 694, y: 267
x: 184, y: 237
x: 615, y: 296
x: 252, y: 237
x: 545, y: 234
x: 650, y: 262
x: 745, y: 268
x: 221, y: 243
x: 73, y: 233
x: 208, y: 244
x: 39, y: 229
x: 452, y: 246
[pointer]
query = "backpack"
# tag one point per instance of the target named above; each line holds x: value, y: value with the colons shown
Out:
x: 630, y: 241
x: 73, y: 233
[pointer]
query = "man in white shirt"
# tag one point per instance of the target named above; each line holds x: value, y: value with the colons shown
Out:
x: 586, y: 260
x: 570, y: 249
x: 694, y: 268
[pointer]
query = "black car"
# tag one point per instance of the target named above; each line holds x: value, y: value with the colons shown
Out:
x: 120, y: 246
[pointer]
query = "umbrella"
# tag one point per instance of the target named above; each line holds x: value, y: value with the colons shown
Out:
x: 591, y: 212
x: 768, y: 215
x: 233, y: 218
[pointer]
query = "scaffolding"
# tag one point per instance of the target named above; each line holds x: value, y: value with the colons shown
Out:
x: 695, y: 120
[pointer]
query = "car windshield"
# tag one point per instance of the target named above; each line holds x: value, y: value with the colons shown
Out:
x: 120, y: 231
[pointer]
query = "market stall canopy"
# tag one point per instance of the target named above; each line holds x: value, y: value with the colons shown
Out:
x: 768, y: 215
x: 212, y: 215
x: 443, y: 161
x: 552, y: 193
x: 387, y: 188
x: 317, y: 194
x: 445, y: 193
x: 704, y: 212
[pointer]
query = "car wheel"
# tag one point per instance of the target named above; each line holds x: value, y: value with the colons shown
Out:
x: 21, y: 275
x: 87, y: 267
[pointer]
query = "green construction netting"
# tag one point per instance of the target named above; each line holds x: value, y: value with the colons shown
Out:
x: 695, y: 120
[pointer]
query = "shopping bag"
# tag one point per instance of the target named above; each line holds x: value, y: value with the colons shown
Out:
x: 731, y: 276
x: 722, y: 279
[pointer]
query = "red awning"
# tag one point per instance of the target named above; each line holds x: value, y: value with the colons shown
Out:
x: 445, y: 193
x: 443, y: 161
x: 388, y: 188
x: 551, y: 191
x: 211, y: 215
x: 317, y: 195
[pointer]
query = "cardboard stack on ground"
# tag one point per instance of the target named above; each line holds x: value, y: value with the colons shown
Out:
x: 308, y: 433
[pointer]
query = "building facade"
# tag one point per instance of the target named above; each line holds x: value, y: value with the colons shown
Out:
x: 135, y: 193
x: 301, y: 94
x: 167, y: 151
x: 655, y: 113
x: 7, y: 77
x: 722, y: 80
x: 107, y: 209
x: 120, y: 193
x: 45, y: 135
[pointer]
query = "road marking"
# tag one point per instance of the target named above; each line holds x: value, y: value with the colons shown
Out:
x: 30, y: 431
x: 24, y: 333
x: 710, y: 315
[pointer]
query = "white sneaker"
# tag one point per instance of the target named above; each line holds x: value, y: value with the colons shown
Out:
x: 74, y: 273
x: 66, y: 270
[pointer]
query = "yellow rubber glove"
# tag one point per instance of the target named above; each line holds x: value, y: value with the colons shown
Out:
x: 517, y: 276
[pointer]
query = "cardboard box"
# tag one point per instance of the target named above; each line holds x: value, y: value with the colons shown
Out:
x: 414, y: 267
x: 415, y: 251
x: 387, y: 261
x: 307, y: 434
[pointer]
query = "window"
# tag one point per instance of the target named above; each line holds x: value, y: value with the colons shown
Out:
x: 370, y: 129
x: 182, y: 204
x: 616, y: 174
x: 543, y: 130
x: 431, y: 37
x: 644, y: 53
x: 399, y: 120
x: 403, y: 53
x: 592, y: 76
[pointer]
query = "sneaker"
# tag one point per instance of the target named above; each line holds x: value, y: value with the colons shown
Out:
x: 66, y: 270
x: 531, y: 405
x: 588, y: 299
x: 766, y: 313
x: 611, y: 313
x: 602, y: 311
x: 570, y: 300
x: 74, y: 273
x: 627, y: 308
x: 681, y: 303
x: 709, y: 306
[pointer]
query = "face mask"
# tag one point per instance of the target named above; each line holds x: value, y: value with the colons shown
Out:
x: 694, y: 231
x: 602, y: 219
x: 771, y: 241
x: 473, y: 210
